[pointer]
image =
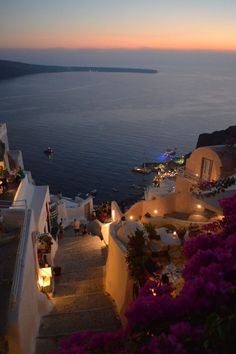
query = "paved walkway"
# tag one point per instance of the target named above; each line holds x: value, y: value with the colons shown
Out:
x: 79, y: 300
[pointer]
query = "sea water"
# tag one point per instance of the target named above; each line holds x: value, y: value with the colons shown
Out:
x: 102, y: 124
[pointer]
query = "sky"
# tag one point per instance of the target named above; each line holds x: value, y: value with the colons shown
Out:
x: 132, y: 24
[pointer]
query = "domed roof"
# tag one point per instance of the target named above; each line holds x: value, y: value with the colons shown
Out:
x: 227, y: 156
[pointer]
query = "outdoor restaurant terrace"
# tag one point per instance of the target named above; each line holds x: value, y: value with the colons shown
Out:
x: 9, y: 184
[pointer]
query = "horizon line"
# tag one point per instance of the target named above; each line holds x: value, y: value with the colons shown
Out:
x: 124, y: 48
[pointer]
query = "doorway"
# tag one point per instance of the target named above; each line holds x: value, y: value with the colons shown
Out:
x: 206, y: 169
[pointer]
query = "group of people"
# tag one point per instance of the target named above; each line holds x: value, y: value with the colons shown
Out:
x: 77, y: 226
x: 7, y: 177
x: 102, y: 212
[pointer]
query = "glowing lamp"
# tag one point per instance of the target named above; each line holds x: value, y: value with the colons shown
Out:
x: 44, y: 276
x: 174, y: 234
x: 199, y: 206
x: 131, y: 217
x: 155, y: 211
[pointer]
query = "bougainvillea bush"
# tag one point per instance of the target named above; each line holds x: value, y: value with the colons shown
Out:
x: 201, y: 319
x: 211, y: 188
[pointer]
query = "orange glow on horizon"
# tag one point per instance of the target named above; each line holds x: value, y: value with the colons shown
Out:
x: 162, y: 42
x: 166, y: 25
x: 117, y: 46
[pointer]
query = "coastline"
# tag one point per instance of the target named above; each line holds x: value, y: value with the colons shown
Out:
x: 10, y: 69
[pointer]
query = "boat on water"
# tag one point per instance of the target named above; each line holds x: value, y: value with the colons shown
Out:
x: 48, y: 151
x: 136, y: 186
x: 93, y: 193
x: 142, y: 169
x: 170, y: 152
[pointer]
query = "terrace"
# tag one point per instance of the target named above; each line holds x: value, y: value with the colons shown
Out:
x: 7, y: 195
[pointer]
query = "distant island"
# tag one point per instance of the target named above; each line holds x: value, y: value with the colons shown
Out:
x: 10, y: 69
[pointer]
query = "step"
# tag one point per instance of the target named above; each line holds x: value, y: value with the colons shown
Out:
x: 87, y: 286
x: 63, y: 324
x: 85, y: 262
x: 75, y: 303
x: 47, y: 345
x: 78, y: 274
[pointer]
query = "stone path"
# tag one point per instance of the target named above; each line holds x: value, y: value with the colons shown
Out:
x: 79, y: 300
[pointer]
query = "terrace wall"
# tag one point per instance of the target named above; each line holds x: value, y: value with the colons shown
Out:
x: 117, y: 279
x: 27, y: 304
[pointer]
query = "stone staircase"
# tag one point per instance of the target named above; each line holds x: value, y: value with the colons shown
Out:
x: 79, y: 299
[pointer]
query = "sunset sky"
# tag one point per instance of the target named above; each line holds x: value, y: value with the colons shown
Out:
x: 177, y: 24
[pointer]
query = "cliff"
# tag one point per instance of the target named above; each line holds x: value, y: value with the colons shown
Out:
x: 221, y: 137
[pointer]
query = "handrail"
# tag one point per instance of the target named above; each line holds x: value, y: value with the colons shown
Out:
x: 14, y: 203
x: 19, y: 265
x: 20, y: 202
x: 191, y: 176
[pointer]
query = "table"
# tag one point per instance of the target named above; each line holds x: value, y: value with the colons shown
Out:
x: 168, y: 237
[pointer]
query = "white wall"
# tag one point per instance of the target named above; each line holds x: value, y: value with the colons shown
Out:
x: 116, y: 213
x: 117, y: 279
x: 29, y: 304
x: 105, y: 228
x: 42, y: 222
x: 70, y: 210
x: 24, y: 192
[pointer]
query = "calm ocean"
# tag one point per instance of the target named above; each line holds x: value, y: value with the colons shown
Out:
x: 101, y: 124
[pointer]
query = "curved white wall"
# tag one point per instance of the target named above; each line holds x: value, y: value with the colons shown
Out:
x: 118, y: 282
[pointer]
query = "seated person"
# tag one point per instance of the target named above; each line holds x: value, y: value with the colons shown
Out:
x: 19, y: 175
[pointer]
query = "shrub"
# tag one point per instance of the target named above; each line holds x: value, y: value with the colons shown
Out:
x: 152, y: 234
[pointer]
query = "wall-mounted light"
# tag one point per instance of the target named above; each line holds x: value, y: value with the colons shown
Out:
x: 199, y: 206
x: 155, y: 211
x: 131, y: 217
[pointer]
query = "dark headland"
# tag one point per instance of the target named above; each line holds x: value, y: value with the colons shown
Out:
x: 10, y: 69
x: 220, y: 137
